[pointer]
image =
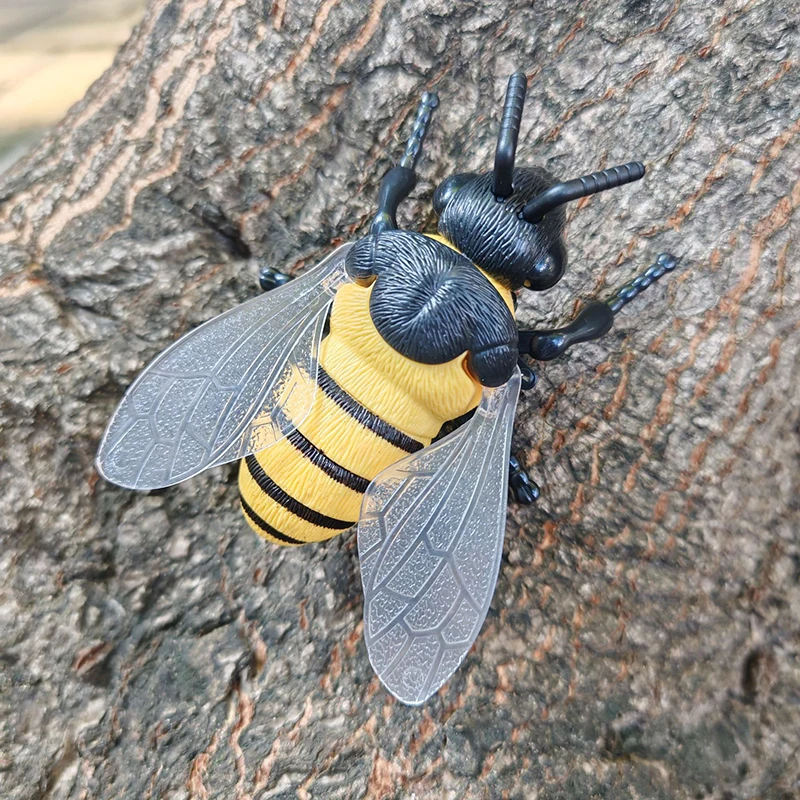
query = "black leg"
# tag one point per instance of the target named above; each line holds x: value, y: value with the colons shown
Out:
x: 665, y: 262
x: 269, y: 278
x: 596, y: 318
x: 524, y: 489
x: 399, y: 181
x: 528, y: 376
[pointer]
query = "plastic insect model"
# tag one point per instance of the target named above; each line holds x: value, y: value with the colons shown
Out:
x: 333, y: 387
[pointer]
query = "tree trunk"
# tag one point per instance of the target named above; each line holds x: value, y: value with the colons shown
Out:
x: 645, y: 634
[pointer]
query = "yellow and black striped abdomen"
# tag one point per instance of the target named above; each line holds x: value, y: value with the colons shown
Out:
x: 372, y: 407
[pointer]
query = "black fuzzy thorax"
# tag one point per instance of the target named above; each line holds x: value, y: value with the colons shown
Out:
x: 432, y: 304
x: 492, y: 234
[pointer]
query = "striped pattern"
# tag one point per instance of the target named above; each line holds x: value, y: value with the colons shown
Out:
x: 373, y: 408
x: 270, y: 488
x: 287, y: 489
x: 319, y: 459
x: 265, y: 527
x: 364, y: 416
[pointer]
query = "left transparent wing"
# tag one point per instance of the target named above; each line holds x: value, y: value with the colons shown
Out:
x: 430, y: 539
x: 231, y: 387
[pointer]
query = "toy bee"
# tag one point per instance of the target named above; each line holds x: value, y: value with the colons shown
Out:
x: 333, y: 388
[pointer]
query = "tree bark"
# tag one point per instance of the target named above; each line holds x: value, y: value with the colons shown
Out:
x: 645, y: 634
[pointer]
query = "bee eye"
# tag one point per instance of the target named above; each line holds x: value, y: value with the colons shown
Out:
x: 446, y: 190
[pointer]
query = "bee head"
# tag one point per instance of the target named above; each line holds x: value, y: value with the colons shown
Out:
x: 510, y: 221
x: 493, y: 234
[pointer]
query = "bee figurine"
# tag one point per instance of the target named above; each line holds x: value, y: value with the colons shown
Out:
x: 333, y: 388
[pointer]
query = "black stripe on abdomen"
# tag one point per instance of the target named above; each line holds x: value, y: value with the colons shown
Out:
x: 265, y: 526
x: 364, y: 416
x: 271, y: 489
x: 319, y: 459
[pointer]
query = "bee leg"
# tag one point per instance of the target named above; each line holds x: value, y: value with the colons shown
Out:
x: 524, y: 489
x: 399, y: 181
x: 596, y: 318
x: 269, y: 278
x: 594, y: 321
x: 664, y: 263
x: 528, y: 376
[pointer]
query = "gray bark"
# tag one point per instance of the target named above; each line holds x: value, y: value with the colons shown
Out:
x: 644, y: 637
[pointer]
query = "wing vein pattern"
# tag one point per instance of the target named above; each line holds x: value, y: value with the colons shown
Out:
x: 235, y: 385
x: 430, y: 540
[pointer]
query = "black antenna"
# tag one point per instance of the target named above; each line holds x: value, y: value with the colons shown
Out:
x: 427, y: 104
x: 561, y: 193
x: 507, y: 138
x: 399, y: 181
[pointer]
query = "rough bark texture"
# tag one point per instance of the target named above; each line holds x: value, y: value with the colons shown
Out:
x: 645, y: 635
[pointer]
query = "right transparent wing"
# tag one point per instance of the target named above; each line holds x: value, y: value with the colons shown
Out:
x: 430, y: 540
x: 231, y: 387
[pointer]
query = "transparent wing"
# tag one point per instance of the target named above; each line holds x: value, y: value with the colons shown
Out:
x: 231, y: 387
x: 430, y: 539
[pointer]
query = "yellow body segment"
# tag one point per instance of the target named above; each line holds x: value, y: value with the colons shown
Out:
x: 415, y: 399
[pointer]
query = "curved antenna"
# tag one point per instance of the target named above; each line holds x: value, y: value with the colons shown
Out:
x: 561, y: 193
x: 399, y: 181
x: 507, y: 138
